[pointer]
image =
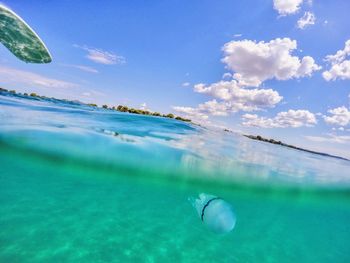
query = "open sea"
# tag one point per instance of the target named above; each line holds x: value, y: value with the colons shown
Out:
x: 82, y: 184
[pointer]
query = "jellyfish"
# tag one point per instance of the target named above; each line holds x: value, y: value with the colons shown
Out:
x: 215, y: 213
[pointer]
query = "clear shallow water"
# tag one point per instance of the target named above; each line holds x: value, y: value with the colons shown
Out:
x: 71, y: 190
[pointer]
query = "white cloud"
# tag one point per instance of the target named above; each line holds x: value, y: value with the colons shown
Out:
x: 192, y: 113
x: 340, y: 116
x: 83, y: 68
x: 215, y: 108
x: 341, y: 70
x: 238, y: 97
x: 202, y: 112
x: 186, y: 84
x: 255, y: 62
x: 340, y: 66
x: 86, y: 68
x: 11, y: 75
x: 340, y: 55
x: 231, y: 98
x: 307, y: 19
x: 287, y: 7
x: 286, y: 119
x: 227, y: 75
x: 237, y: 35
x: 102, y: 57
x: 252, y: 63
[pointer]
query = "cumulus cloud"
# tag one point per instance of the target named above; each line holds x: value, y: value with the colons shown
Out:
x: 251, y: 64
x: 102, y: 57
x: 227, y: 75
x: 254, y: 62
x: 287, y: 7
x: 285, y: 119
x: 239, y: 97
x: 230, y: 97
x: 192, y: 113
x: 11, y: 75
x: 202, y: 112
x: 340, y: 65
x: 339, y: 116
x: 306, y: 20
x: 211, y: 108
x: 341, y: 71
x: 341, y: 54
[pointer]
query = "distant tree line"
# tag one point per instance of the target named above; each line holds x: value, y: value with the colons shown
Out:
x: 120, y: 108
x: 123, y: 108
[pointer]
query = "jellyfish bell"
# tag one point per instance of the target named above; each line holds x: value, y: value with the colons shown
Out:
x: 215, y: 213
x: 22, y: 41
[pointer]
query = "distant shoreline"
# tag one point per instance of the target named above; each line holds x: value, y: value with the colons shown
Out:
x: 120, y: 108
x: 272, y: 141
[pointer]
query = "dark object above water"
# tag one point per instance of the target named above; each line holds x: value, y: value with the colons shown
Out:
x: 259, y: 138
x: 20, y: 39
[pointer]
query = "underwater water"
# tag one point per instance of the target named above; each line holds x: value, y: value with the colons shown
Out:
x: 81, y: 184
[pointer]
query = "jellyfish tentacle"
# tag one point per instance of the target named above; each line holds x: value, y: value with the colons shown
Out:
x: 206, y: 205
x: 214, y: 212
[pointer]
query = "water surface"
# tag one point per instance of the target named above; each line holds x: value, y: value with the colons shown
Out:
x: 81, y: 184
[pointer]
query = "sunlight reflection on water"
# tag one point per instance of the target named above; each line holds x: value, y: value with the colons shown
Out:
x: 160, y: 143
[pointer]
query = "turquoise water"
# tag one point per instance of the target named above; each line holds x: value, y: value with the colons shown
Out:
x: 79, y: 184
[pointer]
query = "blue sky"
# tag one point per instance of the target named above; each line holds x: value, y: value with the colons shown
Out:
x: 157, y: 52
